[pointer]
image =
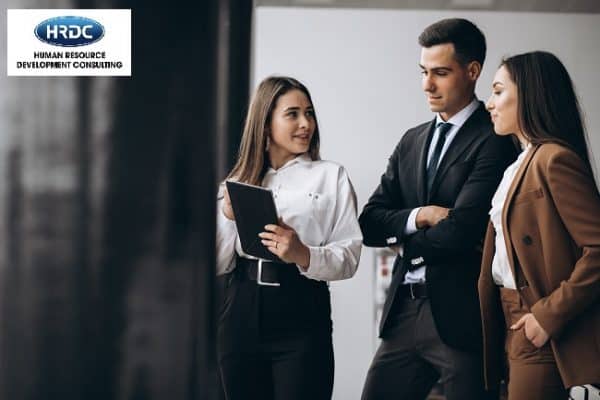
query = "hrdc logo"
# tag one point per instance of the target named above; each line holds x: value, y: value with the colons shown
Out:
x: 68, y: 42
x: 69, y: 31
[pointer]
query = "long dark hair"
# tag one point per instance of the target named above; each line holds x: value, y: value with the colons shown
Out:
x: 548, y: 109
x: 253, y: 161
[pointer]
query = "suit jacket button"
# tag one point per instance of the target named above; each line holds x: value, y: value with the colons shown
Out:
x: 527, y: 240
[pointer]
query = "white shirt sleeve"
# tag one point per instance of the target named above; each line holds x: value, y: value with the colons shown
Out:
x: 411, y: 222
x: 226, y: 238
x: 339, y: 256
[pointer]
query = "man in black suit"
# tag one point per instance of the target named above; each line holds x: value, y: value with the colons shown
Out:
x: 432, y: 207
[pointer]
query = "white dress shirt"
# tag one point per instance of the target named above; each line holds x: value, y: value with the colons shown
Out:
x: 317, y: 199
x: 457, y: 121
x: 501, y: 272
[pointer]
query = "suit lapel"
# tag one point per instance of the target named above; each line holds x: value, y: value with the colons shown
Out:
x: 508, y: 202
x: 463, y: 139
x: 422, y: 147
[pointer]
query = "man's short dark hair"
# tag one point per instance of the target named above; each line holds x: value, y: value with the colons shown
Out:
x: 468, y: 40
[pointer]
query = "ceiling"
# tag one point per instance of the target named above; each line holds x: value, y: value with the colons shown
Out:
x: 562, y: 6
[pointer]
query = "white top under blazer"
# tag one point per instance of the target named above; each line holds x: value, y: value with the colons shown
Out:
x: 501, y: 272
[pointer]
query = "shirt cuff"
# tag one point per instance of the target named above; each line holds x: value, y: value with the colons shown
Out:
x: 313, y: 264
x: 411, y: 222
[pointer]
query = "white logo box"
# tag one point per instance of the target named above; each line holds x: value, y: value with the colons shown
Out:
x: 27, y: 55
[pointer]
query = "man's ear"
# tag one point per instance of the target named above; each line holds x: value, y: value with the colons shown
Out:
x: 474, y: 70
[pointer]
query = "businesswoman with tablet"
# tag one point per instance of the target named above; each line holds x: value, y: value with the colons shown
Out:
x: 540, y: 278
x: 274, y: 333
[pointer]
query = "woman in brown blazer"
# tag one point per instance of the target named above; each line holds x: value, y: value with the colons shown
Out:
x: 540, y: 280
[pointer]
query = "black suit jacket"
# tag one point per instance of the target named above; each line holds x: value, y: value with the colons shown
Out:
x: 467, y: 178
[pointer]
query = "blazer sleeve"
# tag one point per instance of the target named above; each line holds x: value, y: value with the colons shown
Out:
x: 573, y: 190
x: 465, y: 225
x: 385, y: 214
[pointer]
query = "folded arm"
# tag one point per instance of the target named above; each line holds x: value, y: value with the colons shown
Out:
x: 385, y: 215
x: 462, y: 230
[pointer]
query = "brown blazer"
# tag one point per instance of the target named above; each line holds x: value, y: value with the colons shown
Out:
x: 551, y: 222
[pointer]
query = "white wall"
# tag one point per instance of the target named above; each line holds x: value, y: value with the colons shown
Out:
x: 361, y: 67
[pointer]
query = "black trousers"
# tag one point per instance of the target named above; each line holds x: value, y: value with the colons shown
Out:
x: 412, y: 358
x: 275, y: 342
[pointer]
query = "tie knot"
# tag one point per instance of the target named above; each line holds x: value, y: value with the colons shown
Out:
x: 444, y: 127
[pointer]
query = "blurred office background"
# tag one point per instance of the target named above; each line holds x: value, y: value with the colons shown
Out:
x: 107, y: 185
x: 107, y: 287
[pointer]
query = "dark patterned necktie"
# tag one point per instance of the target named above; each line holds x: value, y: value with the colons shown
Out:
x: 444, y: 128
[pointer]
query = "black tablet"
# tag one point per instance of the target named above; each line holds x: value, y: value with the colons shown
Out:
x: 253, y: 208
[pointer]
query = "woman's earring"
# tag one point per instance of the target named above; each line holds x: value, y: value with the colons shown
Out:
x: 268, y: 143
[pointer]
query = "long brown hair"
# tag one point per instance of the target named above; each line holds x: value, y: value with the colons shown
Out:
x: 253, y: 160
x: 548, y: 110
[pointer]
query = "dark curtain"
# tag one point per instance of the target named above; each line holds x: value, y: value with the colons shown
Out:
x: 107, y: 210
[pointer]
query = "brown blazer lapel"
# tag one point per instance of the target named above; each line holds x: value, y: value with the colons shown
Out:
x: 507, y: 204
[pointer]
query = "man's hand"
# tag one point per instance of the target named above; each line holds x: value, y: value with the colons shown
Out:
x: 429, y: 216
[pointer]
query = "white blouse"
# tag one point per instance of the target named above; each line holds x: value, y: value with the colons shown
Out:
x: 501, y: 272
x: 317, y: 199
